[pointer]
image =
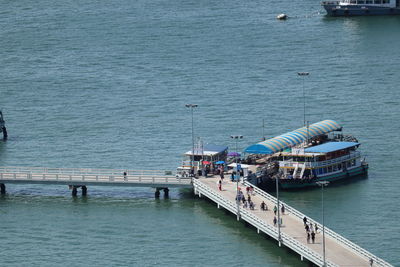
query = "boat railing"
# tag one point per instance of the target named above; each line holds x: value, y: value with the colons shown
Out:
x: 353, y: 155
x: 260, y: 224
x: 328, y: 232
x: 330, y: 2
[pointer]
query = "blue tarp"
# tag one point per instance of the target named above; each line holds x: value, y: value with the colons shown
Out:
x: 330, y: 147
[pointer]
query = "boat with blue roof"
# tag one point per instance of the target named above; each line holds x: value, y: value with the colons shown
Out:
x: 301, y: 158
x: 362, y: 7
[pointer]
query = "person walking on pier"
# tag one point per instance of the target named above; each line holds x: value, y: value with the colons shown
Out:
x: 308, y: 237
x: 220, y: 185
x: 307, y: 228
x: 316, y: 228
x: 275, y: 220
x: 313, y: 237
x: 305, y: 220
x: 275, y: 210
x: 263, y: 206
x: 283, y: 209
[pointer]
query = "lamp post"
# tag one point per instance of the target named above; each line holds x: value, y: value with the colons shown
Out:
x: 237, y: 137
x: 303, y: 74
x: 277, y: 206
x: 323, y: 184
x: 192, y: 106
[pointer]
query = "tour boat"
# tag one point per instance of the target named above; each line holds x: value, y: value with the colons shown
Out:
x: 301, y: 158
x: 362, y: 7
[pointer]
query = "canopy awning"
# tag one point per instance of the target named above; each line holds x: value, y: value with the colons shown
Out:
x: 291, y: 139
x: 331, y: 147
x: 207, y: 150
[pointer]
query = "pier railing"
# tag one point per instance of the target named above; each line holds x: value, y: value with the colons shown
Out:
x: 252, y: 219
x: 345, y: 242
x: 75, y: 176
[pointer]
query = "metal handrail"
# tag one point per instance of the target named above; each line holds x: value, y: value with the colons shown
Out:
x: 83, y: 171
x: 261, y: 225
x: 62, y: 177
x: 359, y: 250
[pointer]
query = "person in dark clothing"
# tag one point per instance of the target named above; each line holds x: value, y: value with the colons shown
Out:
x: 283, y: 209
x: 308, y: 237
x: 305, y: 221
x: 313, y: 237
x: 275, y: 221
x: 307, y: 228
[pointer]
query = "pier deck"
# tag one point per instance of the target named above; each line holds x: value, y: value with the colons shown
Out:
x: 102, y: 177
x: 339, y: 251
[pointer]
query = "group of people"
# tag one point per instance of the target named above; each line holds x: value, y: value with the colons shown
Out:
x: 247, y: 203
x: 311, y: 230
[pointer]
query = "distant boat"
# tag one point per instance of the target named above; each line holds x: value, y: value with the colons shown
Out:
x: 308, y: 155
x: 362, y: 7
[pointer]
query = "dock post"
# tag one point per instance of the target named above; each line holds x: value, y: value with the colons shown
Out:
x: 84, y: 190
x: 166, y: 192
x: 2, y: 189
x: 157, y: 193
x: 74, y: 190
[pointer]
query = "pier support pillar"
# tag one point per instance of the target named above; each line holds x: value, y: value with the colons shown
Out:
x: 74, y: 191
x: 301, y: 257
x: 166, y: 192
x: 157, y: 193
x: 5, y: 135
x: 2, y: 189
x: 84, y: 190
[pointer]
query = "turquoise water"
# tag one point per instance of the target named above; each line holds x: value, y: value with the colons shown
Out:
x: 95, y: 84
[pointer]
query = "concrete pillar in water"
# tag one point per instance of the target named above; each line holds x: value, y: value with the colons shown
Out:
x: 2, y: 189
x: 5, y: 135
x: 166, y: 192
x: 74, y: 190
x: 84, y: 190
x: 157, y: 193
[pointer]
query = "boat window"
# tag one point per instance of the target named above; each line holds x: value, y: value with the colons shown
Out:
x: 385, y: 1
x: 360, y: 1
x: 368, y: 2
x: 330, y: 169
x: 353, y: 1
x: 377, y: 1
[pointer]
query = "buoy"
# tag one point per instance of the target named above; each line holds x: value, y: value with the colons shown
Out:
x: 281, y: 16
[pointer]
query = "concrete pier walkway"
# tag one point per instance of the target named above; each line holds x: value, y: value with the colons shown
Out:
x: 339, y: 251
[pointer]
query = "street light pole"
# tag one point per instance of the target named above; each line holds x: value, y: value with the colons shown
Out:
x: 323, y: 184
x: 192, y: 106
x: 303, y: 74
x: 236, y: 137
x: 277, y: 206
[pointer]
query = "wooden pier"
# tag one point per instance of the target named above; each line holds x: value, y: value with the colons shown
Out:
x: 339, y: 250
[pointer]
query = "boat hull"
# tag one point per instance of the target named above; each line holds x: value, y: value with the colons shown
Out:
x: 358, y: 10
x: 296, y: 184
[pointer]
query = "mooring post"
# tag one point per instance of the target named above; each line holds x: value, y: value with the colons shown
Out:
x: 2, y: 189
x: 84, y: 190
x: 166, y: 192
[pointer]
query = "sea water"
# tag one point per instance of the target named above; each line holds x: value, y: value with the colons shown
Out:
x: 104, y: 85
